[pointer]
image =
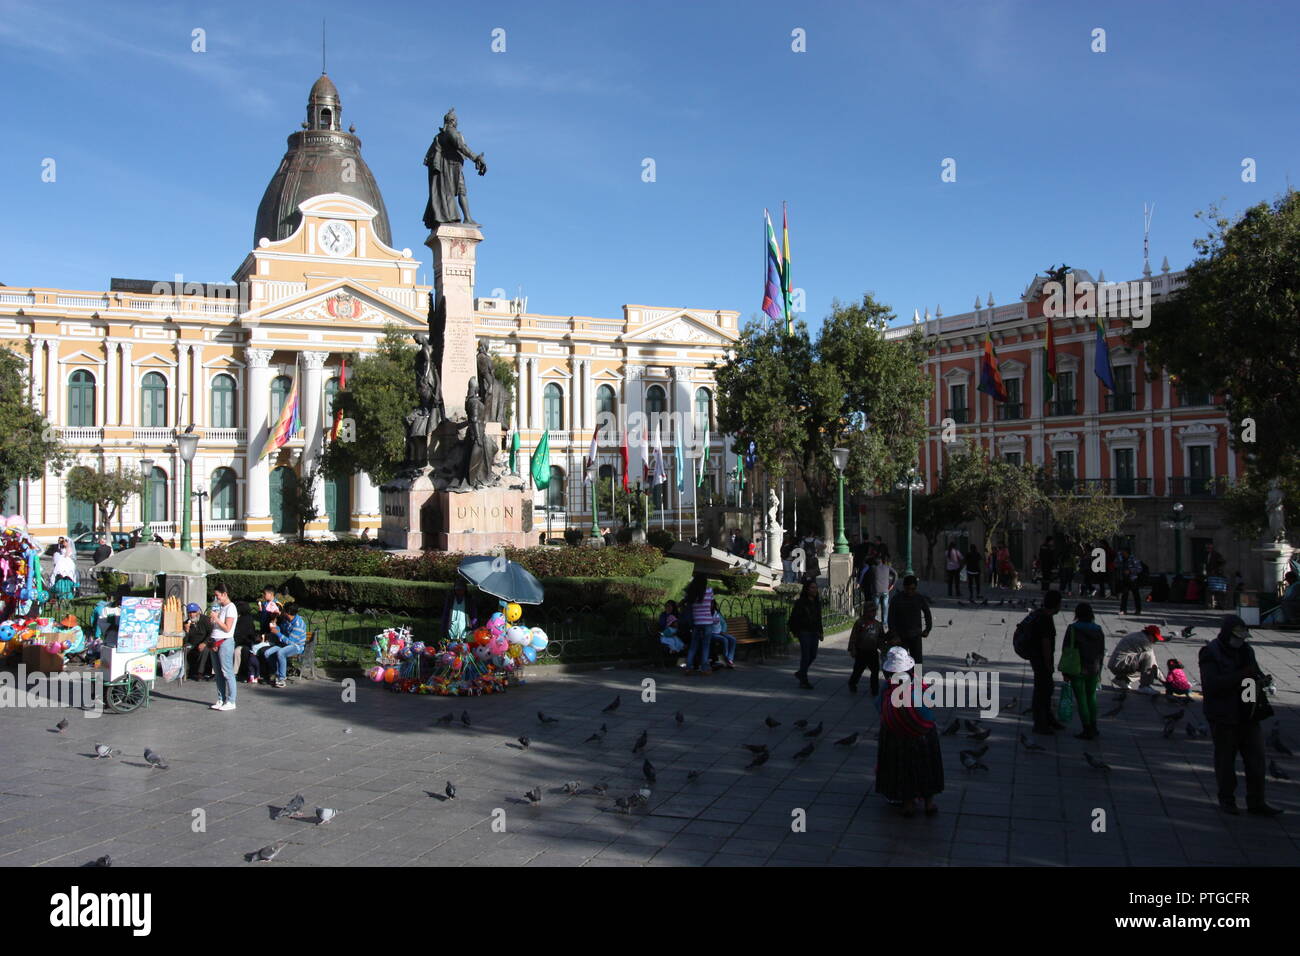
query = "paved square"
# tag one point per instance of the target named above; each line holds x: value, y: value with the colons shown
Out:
x: 377, y: 760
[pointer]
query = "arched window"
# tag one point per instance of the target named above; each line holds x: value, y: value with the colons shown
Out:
x: 153, y: 401
x: 553, y: 407
x: 223, y: 401
x: 607, y: 411
x: 331, y: 390
x: 158, y: 495
x: 281, y: 386
x: 703, y: 411
x: 81, y: 399
x: 555, y: 490
x: 222, y: 498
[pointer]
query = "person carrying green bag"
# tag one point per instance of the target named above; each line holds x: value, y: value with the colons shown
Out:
x: 1082, y: 652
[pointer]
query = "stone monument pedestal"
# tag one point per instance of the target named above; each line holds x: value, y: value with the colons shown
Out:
x: 1277, y: 560
x: 477, y: 521
x: 408, y: 514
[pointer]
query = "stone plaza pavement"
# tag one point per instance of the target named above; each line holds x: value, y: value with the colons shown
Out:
x: 376, y: 759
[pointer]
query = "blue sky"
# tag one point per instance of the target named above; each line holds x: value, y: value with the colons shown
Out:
x: 164, y: 153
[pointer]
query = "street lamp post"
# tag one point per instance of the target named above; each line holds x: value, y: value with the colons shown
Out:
x: 841, y: 458
x: 199, y: 496
x: 146, y: 472
x: 911, y: 483
x: 1178, y: 539
x: 188, y: 443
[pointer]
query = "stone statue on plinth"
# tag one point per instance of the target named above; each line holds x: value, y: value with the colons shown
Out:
x: 480, y: 451
x: 1276, y: 512
x: 446, y: 161
x: 422, y: 420
x: 490, y: 391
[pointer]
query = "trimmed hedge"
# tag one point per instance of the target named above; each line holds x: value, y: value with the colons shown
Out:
x: 248, y: 585
x: 319, y: 589
x: 738, y: 583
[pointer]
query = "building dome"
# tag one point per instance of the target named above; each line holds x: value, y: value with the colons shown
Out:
x: 322, y: 158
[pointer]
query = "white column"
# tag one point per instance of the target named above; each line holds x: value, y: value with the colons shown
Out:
x: 257, y: 495
x: 128, y: 386
x: 38, y: 375
x: 588, y: 397
x: 112, y: 376
x: 367, y: 497
x: 535, y: 398
x: 311, y: 398
x: 571, y: 406
x: 101, y: 395
x: 521, y: 385
x: 199, y: 402
x: 56, y: 386
x: 1092, y: 402
x: 184, y: 393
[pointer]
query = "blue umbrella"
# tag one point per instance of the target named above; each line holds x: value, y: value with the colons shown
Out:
x: 502, y: 578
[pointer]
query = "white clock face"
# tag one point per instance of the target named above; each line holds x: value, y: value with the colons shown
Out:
x: 337, y: 238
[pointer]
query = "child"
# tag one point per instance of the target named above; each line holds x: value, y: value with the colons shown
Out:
x: 1176, y: 680
x: 668, y: 629
x: 719, y: 633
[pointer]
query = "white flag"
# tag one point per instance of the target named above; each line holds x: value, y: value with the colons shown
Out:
x: 661, y: 474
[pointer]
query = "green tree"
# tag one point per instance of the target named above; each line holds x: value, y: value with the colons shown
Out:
x: 379, y: 393
x: 797, y: 399
x: 1087, y: 518
x: 605, y: 487
x: 932, y: 515
x: 305, y: 509
x: 1235, y: 330
x: 108, y: 491
x: 29, y: 447
x: 995, y: 492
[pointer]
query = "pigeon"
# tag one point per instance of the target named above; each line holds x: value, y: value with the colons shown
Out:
x: 971, y: 726
x: 642, y: 796
x: 848, y: 741
x: 981, y: 734
x: 1116, y: 709
x: 971, y: 762
x: 598, y: 735
x: 1096, y: 763
x: 692, y: 775
x: 267, y: 853
x: 62, y: 725
x: 534, y: 796
x: 450, y: 791
x: 547, y: 720
x: 977, y: 753
x: 446, y: 718
x: 346, y: 730
x: 1277, y: 772
x: 1194, y: 731
x: 1031, y: 746
x: 623, y: 803
x: 806, y: 752
x: 1275, y: 741
x: 325, y: 815
x: 104, y: 860
x: 759, y: 760
x: 968, y: 660
x: 291, y: 807
x: 950, y: 622
x: 1011, y: 706
x: 103, y: 751
x: 154, y: 760
x: 755, y: 748
x: 600, y: 788
x: 816, y: 731
x: 464, y: 717
x: 680, y: 718
x: 978, y: 658
x: 801, y: 724
x: 571, y: 787
x: 648, y: 770
x: 612, y: 705
x: 524, y: 741
x: 771, y: 724
x: 641, y: 742
x: 1187, y: 632
x: 952, y: 728
x: 1004, y: 620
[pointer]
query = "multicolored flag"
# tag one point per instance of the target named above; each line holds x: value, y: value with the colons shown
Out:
x: 990, y: 377
x: 1049, y: 364
x: 660, y: 473
x: 286, y: 426
x: 786, y: 288
x: 679, y: 464
x: 1101, y: 362
x: 338, y: 412
x: 773, y: 297
x: 626, y: 455
x: 541, y: 470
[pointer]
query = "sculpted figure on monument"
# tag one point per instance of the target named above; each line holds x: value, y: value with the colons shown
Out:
x: 479, y: 450
x: 424, y: 418
x: 1276, y: 511
x: 489, y: 388
x: 446, y: 158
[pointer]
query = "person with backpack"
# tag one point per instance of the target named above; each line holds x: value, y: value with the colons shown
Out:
x: 1128, y: 578
x: 1082, y: 651
x: 1035, y: 640
x: 1229, y: 675
x: 909, y: 618
x: 953, y: 561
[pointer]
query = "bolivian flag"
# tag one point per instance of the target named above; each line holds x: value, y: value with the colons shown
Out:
x: 287, y: 426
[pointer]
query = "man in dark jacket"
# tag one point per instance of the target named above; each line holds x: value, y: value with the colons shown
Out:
x: 1234, y: 705
x: 1047, y: 562
x: 1044, y: 654
x: 103, y: 550
x: 198, y: 643
x: 909, y: 618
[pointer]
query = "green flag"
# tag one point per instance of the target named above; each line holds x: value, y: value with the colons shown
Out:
x: 704, y: 458
x: 740, y: 470
x: 542, y: 462
x: 514, y: 453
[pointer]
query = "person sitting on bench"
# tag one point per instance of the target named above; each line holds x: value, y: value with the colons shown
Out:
x: 718, y: 631
x: 668, y: 629
x: 291, y: 633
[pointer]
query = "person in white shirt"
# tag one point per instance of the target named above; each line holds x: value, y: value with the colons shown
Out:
x: 223, y: 639
x: 1134, y: 661
x: 953, y: 560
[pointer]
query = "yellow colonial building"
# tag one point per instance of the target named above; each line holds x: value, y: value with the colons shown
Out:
x: 119, y: 372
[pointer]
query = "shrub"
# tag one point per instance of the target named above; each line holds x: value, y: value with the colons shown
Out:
x: 623, y: 536
x: 789, y: 591
x: 738, y: 583
x: 574, y: 536
x: 318, y: 590
x: 661, y: 539
x: 248, y: 585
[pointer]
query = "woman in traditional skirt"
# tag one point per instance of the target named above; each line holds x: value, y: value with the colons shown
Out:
x: 63, y: 575
x: 909, y: 766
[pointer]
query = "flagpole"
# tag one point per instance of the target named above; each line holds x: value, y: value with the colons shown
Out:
x: 695, y: 505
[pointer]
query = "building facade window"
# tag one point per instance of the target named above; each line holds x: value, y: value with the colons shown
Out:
x: 1012, y: 458
x: 158, y: 500
x: 703, y: 411
x: 607, y: 411
x: 656, y: 404
x: 1200, y: 469
x: 281, y: 386
x: 331, y: 392
x: 1065, y: 469
x: 223, y: 401
x: 1125, y: 471
x: 153, y: 401
x: 81, y: 399
x: 553, y: 408
x: 555, y: 490
x: 222, y: 503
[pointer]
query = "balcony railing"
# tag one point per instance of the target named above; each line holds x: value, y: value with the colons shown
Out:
x: 155, y: 436
x: 1066, y: 406
x: 1122, y: 402
x: 1197, y: 487
x: 959, y: 415
x: 236, y: 435
x: 1009, y: 411
x: 1187, y: 398
x: 1117, y: 487
x: 82, y: 435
